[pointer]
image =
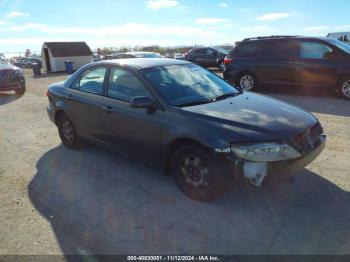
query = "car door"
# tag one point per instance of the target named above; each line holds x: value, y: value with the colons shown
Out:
x: 85, y: 101
x: 318, y: 65
x: 279, y: 63
x: 200, y: 56
x: 211, y: 57
x: 133, y: 130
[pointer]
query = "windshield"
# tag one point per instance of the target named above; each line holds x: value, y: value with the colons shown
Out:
x: 148, y: 55
x: 186, y: 85
x: 221, y: 50
x: 341, y: 45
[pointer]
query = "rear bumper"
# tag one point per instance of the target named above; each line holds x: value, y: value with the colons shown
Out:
x: 230, y: 76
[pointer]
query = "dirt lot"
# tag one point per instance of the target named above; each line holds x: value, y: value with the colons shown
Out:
x: 54, y: 201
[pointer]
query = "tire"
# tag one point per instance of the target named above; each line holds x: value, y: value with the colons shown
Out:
x: 20, y: 91
x: 198, y: 174
x: 67, y: 132
x: 247, y: 81
x: 221, y: 66
x: 344, y: 88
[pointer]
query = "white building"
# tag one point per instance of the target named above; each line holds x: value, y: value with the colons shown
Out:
x: 342, y: 36
x: 54, y: 54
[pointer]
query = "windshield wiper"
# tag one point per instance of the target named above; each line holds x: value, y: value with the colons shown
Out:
x: 195, y: 103
x: 224, y: 96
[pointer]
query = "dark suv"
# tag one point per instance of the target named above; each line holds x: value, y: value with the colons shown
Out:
x: 207, y: 56
x: 291, y: 60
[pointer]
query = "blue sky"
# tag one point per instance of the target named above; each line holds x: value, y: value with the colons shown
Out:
x: 103, y: 23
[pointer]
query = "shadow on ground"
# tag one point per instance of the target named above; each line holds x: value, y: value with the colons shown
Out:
x: 8, y: 97
x: 101, y: 202
x: 318, y: 101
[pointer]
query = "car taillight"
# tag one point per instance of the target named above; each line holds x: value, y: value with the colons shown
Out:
x: 48, y: 93
x: 227, y: 61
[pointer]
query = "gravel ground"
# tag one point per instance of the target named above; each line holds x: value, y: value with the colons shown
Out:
x: 95, y: 201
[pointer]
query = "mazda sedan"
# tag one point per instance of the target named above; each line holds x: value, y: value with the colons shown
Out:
x: 201, y: 129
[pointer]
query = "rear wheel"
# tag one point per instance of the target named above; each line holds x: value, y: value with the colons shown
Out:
x: 67, y: 132
x: 247, y: 81
x: 221, y: 65
x: 344, y: 88
x: 198, y: 175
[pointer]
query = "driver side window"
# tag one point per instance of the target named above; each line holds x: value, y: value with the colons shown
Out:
x: 92, y: 80
x: 124, y: 85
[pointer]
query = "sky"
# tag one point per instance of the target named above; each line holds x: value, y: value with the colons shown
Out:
x: 110, y: 23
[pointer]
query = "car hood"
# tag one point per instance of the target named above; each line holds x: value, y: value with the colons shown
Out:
x: 256, y: 113
x: 8, y: 67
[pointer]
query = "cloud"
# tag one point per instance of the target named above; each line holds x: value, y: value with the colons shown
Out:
x: 317, y: 28
x: 259, y: 29
x: 274, y: 16
x: 342, y: 27
x: 16, y: 14
x: 223, y: 4
x: 210, y: 21
x: 158, y: 4
x: 129, y: 29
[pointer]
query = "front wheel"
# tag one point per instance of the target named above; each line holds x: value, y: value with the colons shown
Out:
x: 344, y: 88
x: 198, y: 175
x: 21, y: 91
x: 67, y: 132
x: 247, y: 82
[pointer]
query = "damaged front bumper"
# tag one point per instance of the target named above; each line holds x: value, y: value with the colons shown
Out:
x: 255, y: 172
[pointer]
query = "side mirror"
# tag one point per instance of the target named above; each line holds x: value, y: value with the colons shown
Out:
x: 142, y: 102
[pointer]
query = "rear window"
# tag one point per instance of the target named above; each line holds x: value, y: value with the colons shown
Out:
x: 248, y: 49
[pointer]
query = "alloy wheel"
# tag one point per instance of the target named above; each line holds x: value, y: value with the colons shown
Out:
x: 247, y: 82
x: 346, y: 89
x: 68, y: 131
x: 195, y: 172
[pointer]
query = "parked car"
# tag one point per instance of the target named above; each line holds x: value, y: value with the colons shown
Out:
x: 27, y: 63
x: 179, y: 56
x: 290, y: 60
x: 185, y: 118
x: 135, y: 54
x: 207, y: 56
x: 11, y: 78
x: 97, y: 57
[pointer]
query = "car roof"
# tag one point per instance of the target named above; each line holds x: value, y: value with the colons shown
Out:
x: 268, y: 38
x: 142, y: 63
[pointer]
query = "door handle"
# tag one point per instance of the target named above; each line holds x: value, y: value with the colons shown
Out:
x: 69, y: 96
x: 108, y: 109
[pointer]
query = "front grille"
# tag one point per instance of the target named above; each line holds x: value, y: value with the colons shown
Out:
x: 7, y: 74
x: 309, y: 139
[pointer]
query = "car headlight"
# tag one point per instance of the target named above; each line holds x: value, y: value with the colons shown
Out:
x: 265, y: 152
x: 19, y: 72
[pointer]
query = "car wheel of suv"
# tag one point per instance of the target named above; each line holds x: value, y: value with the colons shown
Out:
x: 221, y: 65
x: 198, y: 175
x: 247, y: 81
x: 67, y: 132
x: 344, y: 89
